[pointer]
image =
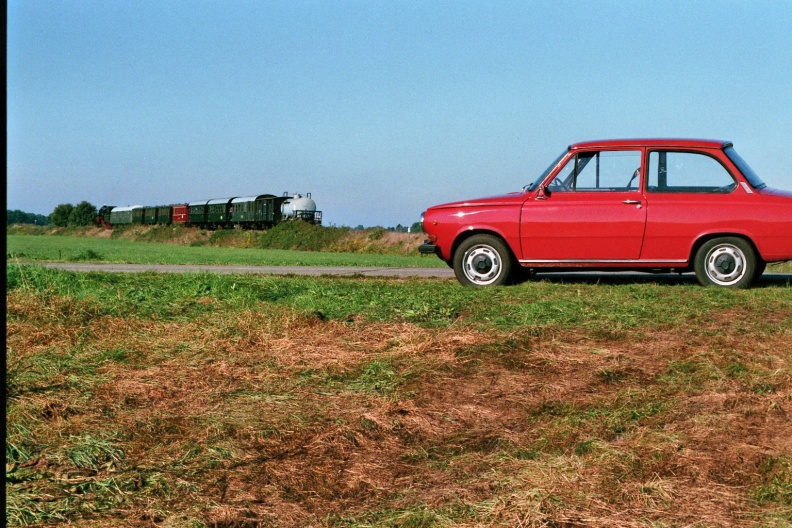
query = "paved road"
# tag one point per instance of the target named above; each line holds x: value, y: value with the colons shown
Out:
x: 768, y: 279
x: 262, y: 270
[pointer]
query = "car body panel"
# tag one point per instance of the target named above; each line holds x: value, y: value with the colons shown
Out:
x: 457, y: 220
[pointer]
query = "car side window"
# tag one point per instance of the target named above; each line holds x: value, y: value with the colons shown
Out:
x: 687, y: 172
x: 605, y: 170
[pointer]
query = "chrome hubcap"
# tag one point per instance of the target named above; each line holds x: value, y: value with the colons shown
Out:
x: 725, y: 264
x: 482, y: 264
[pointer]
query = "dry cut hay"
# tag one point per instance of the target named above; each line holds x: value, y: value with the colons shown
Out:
x: 272, y: 418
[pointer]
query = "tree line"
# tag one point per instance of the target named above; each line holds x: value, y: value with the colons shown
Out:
x: 21, y: 217
x: 416, y: 227
x: 64, y: 215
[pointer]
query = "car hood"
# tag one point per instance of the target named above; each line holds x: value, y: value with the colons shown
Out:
x: 502, y: 199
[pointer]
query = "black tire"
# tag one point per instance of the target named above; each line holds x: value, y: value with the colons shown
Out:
x: 761, y: 266
x: 483, y: 260
x: 520, y: 275
x: 728, y: 262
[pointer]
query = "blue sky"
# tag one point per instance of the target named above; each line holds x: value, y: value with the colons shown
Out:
x: 378, y: 108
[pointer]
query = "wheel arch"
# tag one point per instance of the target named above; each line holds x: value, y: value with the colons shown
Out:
x: 711, y: 236
x: 464, y: 235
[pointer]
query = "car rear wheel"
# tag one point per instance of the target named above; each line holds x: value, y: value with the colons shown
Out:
x: 728, y: 262
x: 483, y: 260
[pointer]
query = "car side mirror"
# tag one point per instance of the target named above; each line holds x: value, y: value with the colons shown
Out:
x: 544, y: 193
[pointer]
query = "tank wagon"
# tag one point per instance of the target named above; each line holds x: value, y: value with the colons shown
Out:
x: 244, y: 212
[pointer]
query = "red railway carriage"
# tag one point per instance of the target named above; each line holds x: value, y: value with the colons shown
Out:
x: 181, y: 213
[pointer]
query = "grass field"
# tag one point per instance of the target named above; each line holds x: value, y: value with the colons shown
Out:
x: 241, y: 401
x: 92, y: 243
x: 27, y: 248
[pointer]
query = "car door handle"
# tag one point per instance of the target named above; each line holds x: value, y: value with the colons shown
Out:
x: 632, y: 202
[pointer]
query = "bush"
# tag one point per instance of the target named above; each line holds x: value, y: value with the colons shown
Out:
x: 302, y: 236
x: 83, y: 214
x: 60, y: 215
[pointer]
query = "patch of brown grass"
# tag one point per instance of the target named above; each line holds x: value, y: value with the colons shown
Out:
x: 378, y: 241
x: 271, y: 418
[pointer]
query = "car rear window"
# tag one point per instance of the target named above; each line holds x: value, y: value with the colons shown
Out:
x: 687, y: 172
x: 753, y: 178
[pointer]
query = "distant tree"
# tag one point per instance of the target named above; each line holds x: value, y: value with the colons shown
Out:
x: 417, y: 227
x: 398, y: 229
x: 16, y: 216
x: 60, y: 215
x: 83, y: 214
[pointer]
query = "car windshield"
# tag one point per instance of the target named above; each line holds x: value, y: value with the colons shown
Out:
x: 754, y: 179
x: 544, y: 175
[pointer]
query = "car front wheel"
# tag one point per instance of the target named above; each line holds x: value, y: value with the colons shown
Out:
x: 483, y: 260
x: 729, y: 262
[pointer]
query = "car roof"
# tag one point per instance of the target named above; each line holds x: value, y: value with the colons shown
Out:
x: 652, y: 142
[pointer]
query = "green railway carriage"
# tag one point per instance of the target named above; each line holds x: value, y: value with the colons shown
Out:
x: 197, y: 214
x: 160, y: 214
x: 149, y: 215
x: 256, y: 211
x: 130, y: 214
x: 217, y: 212
x: 164, y: 214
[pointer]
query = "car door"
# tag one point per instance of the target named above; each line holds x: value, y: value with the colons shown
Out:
x: 593, y: 210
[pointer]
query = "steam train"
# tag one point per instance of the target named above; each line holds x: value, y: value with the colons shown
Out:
x: 247, y: 212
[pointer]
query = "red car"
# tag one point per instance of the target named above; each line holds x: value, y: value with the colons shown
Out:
x: 637, y: 204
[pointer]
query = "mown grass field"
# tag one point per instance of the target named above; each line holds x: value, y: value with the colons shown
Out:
x: 240, y: 401
x: 23, y: 248
x: 292, y: 243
